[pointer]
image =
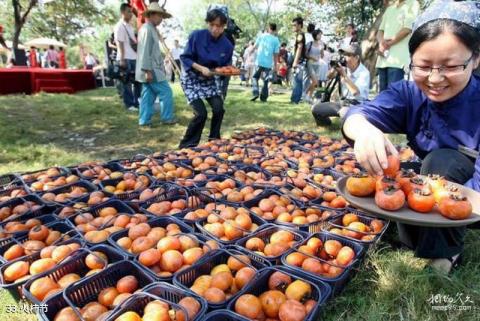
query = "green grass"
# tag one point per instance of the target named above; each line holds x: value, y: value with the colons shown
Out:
x: 45, y: 130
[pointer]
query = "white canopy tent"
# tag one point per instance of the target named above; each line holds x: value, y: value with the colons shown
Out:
x: 44, y: 43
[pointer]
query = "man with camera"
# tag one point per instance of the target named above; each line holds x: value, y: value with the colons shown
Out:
x: 354, y: 80
x: 126, y: 57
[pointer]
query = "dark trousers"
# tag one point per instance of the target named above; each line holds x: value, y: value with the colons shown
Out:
x: 264, y: 73
x: 195, y: 128
x: 179, y: 64
x: 388, y: 75
x: 321, y: 112
x: 429, y: 242
x: 131, y: 88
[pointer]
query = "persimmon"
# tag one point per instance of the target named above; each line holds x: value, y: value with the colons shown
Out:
x: 60, y: 253
x: 38, y: 233
x: 214, y: 295
x: 298, y: 290
x: 421, y: 201
x: 345, y: 256
x: 96, y: 260
x: 390, y: 199
x: 393, y: 166
x: 243, y: 276
x: 255, y: 244
x: 295, y: 259
x: 107, y: 296
x: 150, y: 257
x: 192, y: 255
x: 238, y: 261
x: 40, y: 287
x: 222, y: 281
x: 349, y: 218
x: 13, y: 252
x: 416, y: 182
x: 332, y: 247
x: 292, y: 310
x: 249, y: 306
x: 271, y: 301
x: 171, y: 261
x: 383, y: 182
x: 68, y: 279
x: 279, y: 281
x: 41, y: 265
x: 191, y: 305
x: 455, y: 207
x: 127, y: 284
x: 360, y: 185
x: 312, y: 265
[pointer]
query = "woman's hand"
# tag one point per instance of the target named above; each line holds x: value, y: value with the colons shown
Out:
x: 371, y: 145
x: 205, y: 71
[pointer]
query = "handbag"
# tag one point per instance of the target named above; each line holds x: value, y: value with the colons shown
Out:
x: 132, y: 42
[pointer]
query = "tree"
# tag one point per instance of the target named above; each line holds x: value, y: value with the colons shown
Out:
x: 66, y: 20
x: 21, y: 11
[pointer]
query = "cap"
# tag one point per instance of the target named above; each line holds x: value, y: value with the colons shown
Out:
x: 353, y: 49
x: 467, y: 12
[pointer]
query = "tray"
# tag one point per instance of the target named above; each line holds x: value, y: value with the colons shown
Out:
x: 406, y: 215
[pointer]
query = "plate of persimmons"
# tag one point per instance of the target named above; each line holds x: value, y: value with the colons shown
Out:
x: 406, y: 197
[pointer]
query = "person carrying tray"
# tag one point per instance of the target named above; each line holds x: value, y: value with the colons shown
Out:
x: 206, y: 49
x: 439, y: 111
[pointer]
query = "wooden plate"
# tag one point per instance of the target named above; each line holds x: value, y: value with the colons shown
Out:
x: 406, y: 215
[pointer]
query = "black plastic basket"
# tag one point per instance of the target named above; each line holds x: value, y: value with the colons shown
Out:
x: 21, y: 200
x: 178, y: 164
x: 62, y: 170
x: 161, y: 221
x: 174, y: 294
x: 313, y: 227
x: 127, y: 196
x: 326, y: 171
x: 338, y: 283
x: 15, y: 288
x: 80, y: 293
x: 286, y: 190
x: 112, y: 166
x: 255, y: 202
x: 336, y: 222
x: 126, y: 163
x: 255, y: 219
x: 265, y: 232
x: 238, y: 250
x: 120, y: 206
x: 68, y: 188
x: 320, y: 290
x: 75, y: 264
x: 137, y: 303
x: 172, y: 192
x: 186, y: 277
x: 44, y: 219
x: 59, y: 225
x: 224, y: 315
x: 9, y: 181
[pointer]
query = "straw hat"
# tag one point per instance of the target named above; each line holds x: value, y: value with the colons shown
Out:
x: 154, y: 7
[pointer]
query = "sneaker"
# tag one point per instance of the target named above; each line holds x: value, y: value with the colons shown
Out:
x: 254, y: 98
x: 445, y: 265
x: 132, y: 108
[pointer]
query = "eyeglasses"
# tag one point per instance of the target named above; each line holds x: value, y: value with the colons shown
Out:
x: 426, y: 71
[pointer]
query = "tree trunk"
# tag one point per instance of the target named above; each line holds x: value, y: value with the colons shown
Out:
x: 370, y: 45
x: 20, y: 19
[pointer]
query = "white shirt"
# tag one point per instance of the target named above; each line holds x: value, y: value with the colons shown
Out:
x: 124, y: 31
x: 361, y: 78
x: 90, y: 60
x: 176, y: 52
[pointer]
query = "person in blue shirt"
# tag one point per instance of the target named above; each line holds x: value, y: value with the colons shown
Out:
x: 267, y: 46
x: 206, y: 49
x: 439, y: 111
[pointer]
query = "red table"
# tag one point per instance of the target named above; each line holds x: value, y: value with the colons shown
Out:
x: 33, y: 80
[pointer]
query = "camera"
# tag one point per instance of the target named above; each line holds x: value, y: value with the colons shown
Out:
x: 338, y: 60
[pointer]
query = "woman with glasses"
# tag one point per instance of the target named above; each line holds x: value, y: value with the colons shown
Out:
x: 439, y: 111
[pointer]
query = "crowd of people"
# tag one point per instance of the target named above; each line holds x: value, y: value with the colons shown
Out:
x: 50, y: 58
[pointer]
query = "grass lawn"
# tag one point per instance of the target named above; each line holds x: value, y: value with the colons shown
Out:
x: 45, y: 130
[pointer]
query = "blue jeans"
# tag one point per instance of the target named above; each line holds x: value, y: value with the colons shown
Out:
x: 131, y: 88
x: 150, y: 91
x: 297, y: 90
x: 386, y: 76
x: 264, y: 73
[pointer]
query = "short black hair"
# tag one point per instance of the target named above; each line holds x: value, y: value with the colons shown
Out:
x: 213, y: 14
x: 310, y: 27
x: 273, y: 26
x: 284, y: 44
x: 51, y: 47
x: 351, y: 25
x: 124, y: 7
x: 298, y: 20
x: 468, y: 35
x: 315, y: 33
